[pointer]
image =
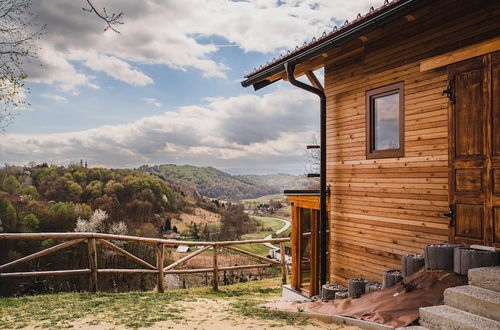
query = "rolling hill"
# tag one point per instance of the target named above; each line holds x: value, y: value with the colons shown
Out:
x: 210, y: 182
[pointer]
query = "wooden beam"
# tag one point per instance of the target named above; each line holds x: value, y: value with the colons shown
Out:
x: 208, y: 270
x: 126, y: 253
x: 250, y: 254
x: 47, y: 273
x: 128, y: 271
x: 270, y: 240
x: 189, y: 256
x: 283, y: 263
x: 461, y: 54
x: 216, y: 271
x: 410, y: 18
x: 160, y: 256
x: 92, y: 255
x: 313, y: 80
x: 42, y: 253
x: 21, y: 236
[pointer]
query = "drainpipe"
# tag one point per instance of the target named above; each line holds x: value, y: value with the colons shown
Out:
x: 323, y: 218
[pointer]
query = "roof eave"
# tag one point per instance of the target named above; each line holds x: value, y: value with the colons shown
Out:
x: 400, y: 9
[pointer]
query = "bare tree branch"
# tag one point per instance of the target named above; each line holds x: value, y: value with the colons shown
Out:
x: 18, y: 32
x: 110, y: 20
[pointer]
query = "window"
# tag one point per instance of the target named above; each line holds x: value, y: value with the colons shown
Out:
x: 385, y: 121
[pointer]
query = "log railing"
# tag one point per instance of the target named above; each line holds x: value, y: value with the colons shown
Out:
x: 160, y: 269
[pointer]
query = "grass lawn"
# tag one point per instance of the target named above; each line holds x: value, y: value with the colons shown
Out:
x: 267, y: 223
x: 233, y: 306
x: 265, y: 199
x: 259, y: 249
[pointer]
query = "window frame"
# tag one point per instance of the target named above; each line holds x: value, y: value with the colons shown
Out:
x: 372, y: 94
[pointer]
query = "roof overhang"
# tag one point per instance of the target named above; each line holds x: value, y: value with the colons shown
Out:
x: 312, y: 53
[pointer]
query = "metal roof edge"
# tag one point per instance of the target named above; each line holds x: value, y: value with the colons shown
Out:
x: 399, y: 9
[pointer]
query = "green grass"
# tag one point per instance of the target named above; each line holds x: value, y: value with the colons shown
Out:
x: 57, y: 310
x: 259, y: 249
x: 134, y: 309
x: 265, y: 199
x: 268, y: 222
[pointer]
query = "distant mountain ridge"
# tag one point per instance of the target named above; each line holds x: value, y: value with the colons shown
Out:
x: 214, y: 183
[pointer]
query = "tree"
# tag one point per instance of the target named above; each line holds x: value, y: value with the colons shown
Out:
x: 30, y: 223
x: 8, y: 215
x: 18, y: 34
x: 111, y: 20
x: 11, y: 185
x: 18, y: 31
x: 74, y: 190
x: 168, y: 224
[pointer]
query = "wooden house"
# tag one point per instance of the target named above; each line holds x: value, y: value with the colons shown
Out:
x: 410, y: 140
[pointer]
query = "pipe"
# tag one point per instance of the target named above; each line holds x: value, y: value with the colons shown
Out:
x: 323, y: 218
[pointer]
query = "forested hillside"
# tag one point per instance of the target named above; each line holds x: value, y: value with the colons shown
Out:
x: 211, y: 182
x: 281, y: 181
x: 52, y: 198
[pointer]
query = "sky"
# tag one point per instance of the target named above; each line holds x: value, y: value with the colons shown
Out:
x: 166, y: 89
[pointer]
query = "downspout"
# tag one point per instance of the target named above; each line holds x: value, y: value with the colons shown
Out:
x: 290, y: 68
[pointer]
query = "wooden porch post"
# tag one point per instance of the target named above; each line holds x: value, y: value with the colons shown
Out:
x: 160, y: 252
x: 92, y: 254
x: 283, y: 263
x: 216, y: 271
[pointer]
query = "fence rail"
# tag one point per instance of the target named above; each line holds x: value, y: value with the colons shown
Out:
x: 92, y: 239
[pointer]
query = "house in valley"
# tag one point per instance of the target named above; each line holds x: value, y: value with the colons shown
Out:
x: 410, y: 139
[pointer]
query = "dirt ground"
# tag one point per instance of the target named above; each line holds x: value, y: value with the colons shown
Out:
x: 211, y: 314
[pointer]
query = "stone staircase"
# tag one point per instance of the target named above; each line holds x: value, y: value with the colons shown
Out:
x: 473, y: 306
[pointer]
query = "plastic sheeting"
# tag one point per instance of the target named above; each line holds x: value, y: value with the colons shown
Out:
x: 396, y: 306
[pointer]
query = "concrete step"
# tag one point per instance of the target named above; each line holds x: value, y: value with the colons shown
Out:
x: 448, y: 318
x: 475, y: 300
x: 485, y: 277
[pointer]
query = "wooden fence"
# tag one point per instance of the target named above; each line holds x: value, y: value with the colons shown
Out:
x: 160, y: 269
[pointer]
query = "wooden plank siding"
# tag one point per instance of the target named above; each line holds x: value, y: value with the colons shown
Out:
x: 380, y: 209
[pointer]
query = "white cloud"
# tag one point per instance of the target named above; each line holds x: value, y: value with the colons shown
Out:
x: 221, y: 133
x: 54, y: 68
x: 152, y: 101
x: 54, y: 97
x: 171, y: 33
x: 114, y: 67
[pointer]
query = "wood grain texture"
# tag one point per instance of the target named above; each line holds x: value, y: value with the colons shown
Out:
x: 381, y: 209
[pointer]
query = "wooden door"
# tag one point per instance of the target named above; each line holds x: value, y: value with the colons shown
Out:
x: 475, y: 150
x: 305, y: 250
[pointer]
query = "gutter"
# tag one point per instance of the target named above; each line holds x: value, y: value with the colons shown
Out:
x: 259, y: 80
x: 323, y: 218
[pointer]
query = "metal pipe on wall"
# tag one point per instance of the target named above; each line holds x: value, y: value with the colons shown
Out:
x: 290, y: 69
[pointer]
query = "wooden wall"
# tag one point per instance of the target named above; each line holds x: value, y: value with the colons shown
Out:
x: 383, y: 208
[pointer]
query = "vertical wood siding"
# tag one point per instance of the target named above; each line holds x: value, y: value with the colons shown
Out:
x: 383, y: 208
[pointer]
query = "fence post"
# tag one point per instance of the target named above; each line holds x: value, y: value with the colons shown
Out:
x: 92, y: 254
x: 283, y: 263
x: 160, y: 251
x: 216, y: 270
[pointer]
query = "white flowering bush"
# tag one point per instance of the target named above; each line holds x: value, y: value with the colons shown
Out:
x: 96, y: 224
x: 93, y: 225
